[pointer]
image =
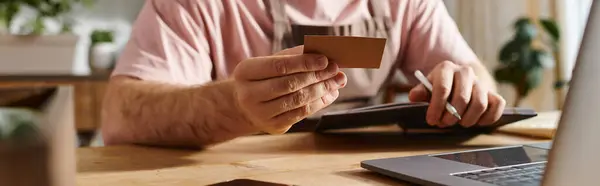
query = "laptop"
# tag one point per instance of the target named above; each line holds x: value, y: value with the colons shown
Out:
x: 571, y: 159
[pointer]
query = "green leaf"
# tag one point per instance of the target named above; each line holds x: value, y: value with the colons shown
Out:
x: 66, y: 28
x: 23, y: 131
x: 503, y: 75
x: 521, y: 22
x: 512, y: 52
x: 523, y: 81
x: 524, y: 61
x: 534, y: 59
x: 534, y: 79
x: 526, y: 33
x: 38, y: 26
x: 18, y: 125
x: 508, y: 52
x: 3, y: 14
x: 45, y: 8
x: 11, y: 10
x: 88, y: 3
x: 34, y: 3
x: 542, y: 59
x: 509, y: 74
x: 551, y: 27
x: 102, y: 36
x: 66, y: 1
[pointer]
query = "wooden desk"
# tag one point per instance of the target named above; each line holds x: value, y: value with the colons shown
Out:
x: 88, y: 91
x: 300, y: 158
x: 28, y: 81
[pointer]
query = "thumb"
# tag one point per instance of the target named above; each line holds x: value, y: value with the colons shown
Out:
x: 291, y: 51
x: 419, y: 94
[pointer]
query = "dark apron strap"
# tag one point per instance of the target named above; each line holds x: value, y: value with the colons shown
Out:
x: 383, y: 23
x: 381, y: 18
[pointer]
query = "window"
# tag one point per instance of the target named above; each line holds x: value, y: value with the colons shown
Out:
x: 572, y: 17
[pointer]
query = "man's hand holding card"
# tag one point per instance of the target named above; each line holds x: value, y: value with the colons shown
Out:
x: 277, y: 91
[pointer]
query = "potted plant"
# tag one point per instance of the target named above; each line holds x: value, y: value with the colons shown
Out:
x: 527, y: 54
x: 29, y: 47
x: 102, y: 50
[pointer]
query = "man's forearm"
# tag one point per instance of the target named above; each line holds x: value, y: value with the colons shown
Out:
x: 140, y: 112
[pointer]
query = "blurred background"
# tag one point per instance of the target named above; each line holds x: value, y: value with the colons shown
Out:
x: 535, y: 41
x: 492, y: 25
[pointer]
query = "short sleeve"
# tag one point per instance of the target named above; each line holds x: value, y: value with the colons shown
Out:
x: 167, y: 45
x: 433, y: 37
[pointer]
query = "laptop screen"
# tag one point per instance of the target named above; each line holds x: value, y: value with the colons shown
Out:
x: 499, y: 157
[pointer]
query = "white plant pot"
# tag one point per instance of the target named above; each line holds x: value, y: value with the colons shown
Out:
x: 102, y: 55
x: 35, y: 55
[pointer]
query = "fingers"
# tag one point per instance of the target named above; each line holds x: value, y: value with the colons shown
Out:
x: 461, y: 95
x: 442, y: 81
x: 261, y: 68
x: 495, y: 109
x: 304, y: 96
x: 280, y: 86
x: 419, y: 94
x: 472, y: 100
x: 275, y: 92
x: 477, y: 106
x: 284, y: 121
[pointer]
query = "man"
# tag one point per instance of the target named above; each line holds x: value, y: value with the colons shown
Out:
x: 200, y: 72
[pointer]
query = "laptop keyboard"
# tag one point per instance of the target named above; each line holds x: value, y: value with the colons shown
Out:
x: 528, y: 174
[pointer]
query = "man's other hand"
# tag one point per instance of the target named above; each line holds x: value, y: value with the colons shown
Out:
x: 476, y: 103
x: 275, y: 92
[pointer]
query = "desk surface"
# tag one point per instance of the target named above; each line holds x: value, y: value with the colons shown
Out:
x: 300, y: 159
x: 49, y: 80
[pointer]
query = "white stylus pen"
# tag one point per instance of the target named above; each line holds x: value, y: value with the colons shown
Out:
x: 429, y: 87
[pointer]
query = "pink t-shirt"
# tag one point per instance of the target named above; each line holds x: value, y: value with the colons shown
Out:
x: 193, y: 42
